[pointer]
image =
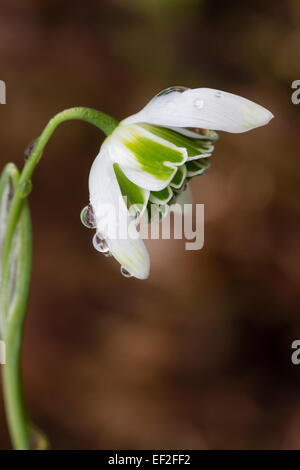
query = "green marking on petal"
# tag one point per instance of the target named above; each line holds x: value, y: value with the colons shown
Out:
x: 151, y: 210
x: 154, y: 157
x: 161, y: 197
x: 163, y: 211
x: 194, y: 147
x: 154, y: 209
x: 197, y: 167
x: 135, y: 196
x: 179, y: 177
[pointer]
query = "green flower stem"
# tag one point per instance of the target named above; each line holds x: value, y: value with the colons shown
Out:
x: 19, y: 219
x: 104, y: 122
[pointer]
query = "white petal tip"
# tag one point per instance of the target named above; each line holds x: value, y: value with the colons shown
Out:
x: 132, y: 256
x: 204, y: 108
x: 255, y: 116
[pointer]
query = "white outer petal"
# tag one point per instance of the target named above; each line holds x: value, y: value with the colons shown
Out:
x: 204, y: 108
x: 112, y: 218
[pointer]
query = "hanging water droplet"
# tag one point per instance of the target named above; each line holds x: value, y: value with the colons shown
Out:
x: 108, y: 254
x: 100, y: 243
x: 87, y: 217
x: 199, y: 104
x: 171, y: 89
x: 25, y: 188
x: 125, y: 273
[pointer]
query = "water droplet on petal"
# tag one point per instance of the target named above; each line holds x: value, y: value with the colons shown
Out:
x: 125, y: 273
x: 171, y: 89
x: 199, y: 104
x: 87, y: 217
x: 100, y: 243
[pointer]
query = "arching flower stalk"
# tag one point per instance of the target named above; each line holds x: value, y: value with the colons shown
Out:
x: 146, y: 158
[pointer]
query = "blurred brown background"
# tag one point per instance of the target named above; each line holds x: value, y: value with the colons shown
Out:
x: 198, y: 356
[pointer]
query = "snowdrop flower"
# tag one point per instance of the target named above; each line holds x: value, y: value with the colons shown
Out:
x: 150, y: 157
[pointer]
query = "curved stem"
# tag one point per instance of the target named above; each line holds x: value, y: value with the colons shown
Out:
x: 13, y: 316
x: 104, y: 122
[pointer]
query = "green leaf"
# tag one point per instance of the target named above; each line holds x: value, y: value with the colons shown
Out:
x: 16, y: 263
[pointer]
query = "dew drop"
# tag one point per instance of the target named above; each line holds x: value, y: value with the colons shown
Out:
x: 100, y: 243
x: 199, y: 104
x: 171, y: 89
x: 87, y: 217
x: 125, y: 273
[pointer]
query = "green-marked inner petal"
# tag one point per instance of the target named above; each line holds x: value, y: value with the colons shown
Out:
x: 197, y: 167
x: 194, y: 147
x: 161, y: 197
x: 153, y: 156
x: 133, y: 193
x: 179, y: 177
